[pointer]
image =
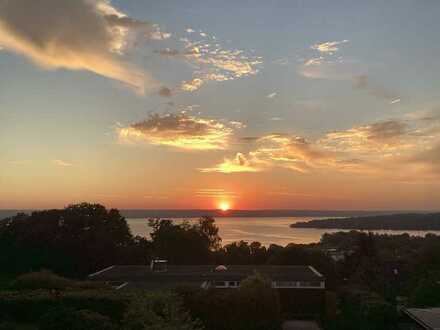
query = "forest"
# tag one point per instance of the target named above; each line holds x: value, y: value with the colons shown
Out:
x: 411, y: 221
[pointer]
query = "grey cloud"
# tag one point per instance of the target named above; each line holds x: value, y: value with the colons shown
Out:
x: 362, y: 82
x: 77, y: 35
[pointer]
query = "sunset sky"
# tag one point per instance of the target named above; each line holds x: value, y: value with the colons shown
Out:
x: 287, y: 104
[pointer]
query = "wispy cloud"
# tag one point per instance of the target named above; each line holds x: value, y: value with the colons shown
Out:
x: 93, y: 38
x: 329, y: 46
x: 210, y: 60
x: 179, y: 130
x: 274, y: 150
x: 389, y: 148
x: 215, y: 193
x: 362, y: 82
x: 239, y: 164
x: 192, y: 85
x: 62, y: 163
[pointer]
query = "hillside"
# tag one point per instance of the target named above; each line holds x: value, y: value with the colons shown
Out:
x: 411, y: 221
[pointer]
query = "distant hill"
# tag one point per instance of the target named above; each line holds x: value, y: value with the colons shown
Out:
x: 244, y: 213
x: 138, y: 213
x: 412, y: 221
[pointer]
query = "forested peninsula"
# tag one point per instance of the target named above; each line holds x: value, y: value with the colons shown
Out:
x: 413, y: 221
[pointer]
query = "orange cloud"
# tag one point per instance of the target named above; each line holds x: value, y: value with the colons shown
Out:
x: 179, y: 130
x: 383, y: 148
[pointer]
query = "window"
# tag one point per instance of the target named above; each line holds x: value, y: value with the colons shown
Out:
x: 220, y: 284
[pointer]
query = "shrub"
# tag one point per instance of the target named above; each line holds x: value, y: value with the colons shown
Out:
x: 44, y: 279
x: 254, y: 306
x: 65, y: 318
x: 30, y: 305
x: 158, y: 311
x: 8, y: 326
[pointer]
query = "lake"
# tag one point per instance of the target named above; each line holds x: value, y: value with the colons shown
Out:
x: 266, y: 230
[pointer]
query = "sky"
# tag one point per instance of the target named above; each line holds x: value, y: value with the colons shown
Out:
x: 276, y: 104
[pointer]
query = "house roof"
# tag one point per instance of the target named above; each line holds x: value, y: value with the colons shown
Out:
x: 199, y: 273
x: 429, y: 318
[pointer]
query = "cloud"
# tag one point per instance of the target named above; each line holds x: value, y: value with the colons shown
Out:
x: 61, y: 163
x: 339, y: 69
x: 272, y: 95
x: 239, y: 164
x: 215, y: 193
x: 192, y: 85
x: 329, y: 46
x: 386, y: 136
x: 362, y: 82
x: 165, y: 92
x: 167, y: 52
x: 89, y: 35
x: 429, y: 158
x: 392, y: 148
x: 180, y: 131
x: 212, y: 62
x: 274, y: 150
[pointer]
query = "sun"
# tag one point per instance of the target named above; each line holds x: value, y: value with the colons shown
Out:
x: 224, y: 206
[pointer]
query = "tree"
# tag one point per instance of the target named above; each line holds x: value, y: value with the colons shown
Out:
x: 74, y: 241
x: 185, y: 243
x: 427, y: 292
x: 65, y: 318
x: 258, y: 304
x: 158, y: 311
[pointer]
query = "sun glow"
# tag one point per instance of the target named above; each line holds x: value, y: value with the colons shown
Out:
x: 224, y: 206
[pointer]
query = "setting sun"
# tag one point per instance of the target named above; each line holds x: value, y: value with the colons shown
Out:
x: 224, y: 206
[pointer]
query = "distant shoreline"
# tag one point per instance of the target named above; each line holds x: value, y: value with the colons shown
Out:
x: 196, y: 213
x: 408, y: 221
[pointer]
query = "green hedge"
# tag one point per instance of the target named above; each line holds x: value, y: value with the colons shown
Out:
x: 29, y: 306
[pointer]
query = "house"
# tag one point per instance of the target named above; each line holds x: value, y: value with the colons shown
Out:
x: 421, y: 319
x: 301, y: 288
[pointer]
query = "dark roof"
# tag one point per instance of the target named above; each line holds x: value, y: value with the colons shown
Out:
x: 200, y: 273
x: 429, y: 318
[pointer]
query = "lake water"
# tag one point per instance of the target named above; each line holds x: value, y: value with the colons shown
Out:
x: 265, y: 230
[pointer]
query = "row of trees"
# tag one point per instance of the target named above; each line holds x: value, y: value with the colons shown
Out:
x: 73, y: 241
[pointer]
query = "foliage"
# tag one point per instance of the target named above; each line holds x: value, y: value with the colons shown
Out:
x: 427, y: 292
x: 41, y: 280
x: 67, y: 318
x: 391, y: 221
x: 364, y: 310
x: 48, y: 280
x: 158, y: 311
x: 253, y: 306
x: 185, y: 243
x: 74, y: 241
x: 28, y: 306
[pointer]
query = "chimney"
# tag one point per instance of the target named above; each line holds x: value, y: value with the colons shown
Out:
x: 159, y: 265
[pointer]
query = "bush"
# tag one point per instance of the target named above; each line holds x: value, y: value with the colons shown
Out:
x: 30, y: 305
x: 44, y: 279
x: 8, y: 326
x: 364, y: 310
x: 158, y: 311
x: 254, y: 306
x: 65, y: 318
x: 47, y: 280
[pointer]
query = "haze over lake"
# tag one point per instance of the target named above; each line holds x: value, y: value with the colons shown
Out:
x: 265, y: 230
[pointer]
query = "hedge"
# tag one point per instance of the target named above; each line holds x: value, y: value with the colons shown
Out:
x: 30, y: 306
